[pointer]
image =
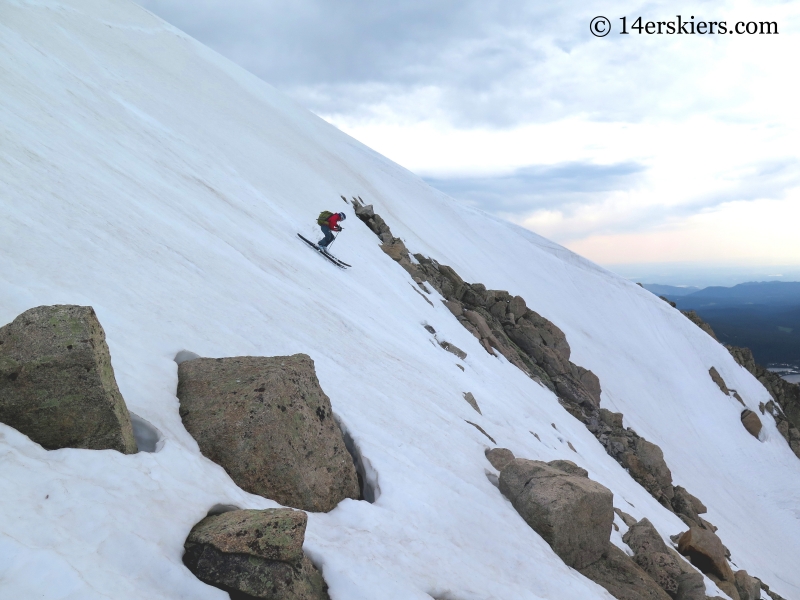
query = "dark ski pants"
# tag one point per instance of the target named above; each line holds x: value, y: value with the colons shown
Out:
x: 326, y: 231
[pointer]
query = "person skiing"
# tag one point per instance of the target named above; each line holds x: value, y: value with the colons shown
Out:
x: 329, y: 222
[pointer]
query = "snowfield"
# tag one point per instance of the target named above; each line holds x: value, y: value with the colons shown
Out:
x: 148, y: 177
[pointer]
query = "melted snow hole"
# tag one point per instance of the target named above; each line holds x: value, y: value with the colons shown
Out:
x: 148, y: 437
x: 185, y: 355
x: 367, y: 476
x: 218, y: 509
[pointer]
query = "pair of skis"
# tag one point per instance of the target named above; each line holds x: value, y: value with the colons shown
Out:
x: 325, y: 253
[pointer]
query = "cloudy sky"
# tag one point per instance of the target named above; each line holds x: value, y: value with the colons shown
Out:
x: 668, y: 158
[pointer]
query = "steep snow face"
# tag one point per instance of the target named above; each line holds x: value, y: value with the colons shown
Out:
x: 144, y: 175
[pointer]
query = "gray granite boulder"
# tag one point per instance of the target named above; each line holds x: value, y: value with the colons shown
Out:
x: 571, y: 512
x: 57, y: 384
x: 268, y: 423
x: 255, y: 554
x: 622, y: 578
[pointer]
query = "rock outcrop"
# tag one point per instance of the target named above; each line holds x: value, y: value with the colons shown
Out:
x: 785, y: 403
x: 695, y: 318
x: 571, y: 512
x: 623, y: 579
x: 749, y: 588
x: 662, y: 563
x: 268, y: 423
x: 257, y: 553
x: 57, y: 384
x: 706, y: 552
x: 472, y: 402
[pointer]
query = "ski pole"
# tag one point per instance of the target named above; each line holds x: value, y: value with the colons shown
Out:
x: 334, y: 239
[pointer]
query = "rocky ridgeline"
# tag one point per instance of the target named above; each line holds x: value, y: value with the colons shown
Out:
x: 57, y: 384
x: 505, y: 325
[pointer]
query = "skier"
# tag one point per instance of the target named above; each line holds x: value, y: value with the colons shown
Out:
x: 328, y: 222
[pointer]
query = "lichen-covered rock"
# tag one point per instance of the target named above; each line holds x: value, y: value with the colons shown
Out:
x: 268, y: 423
x: 706, y: 552
x: 653, y: 556
x: 751, y: 422
x: 255, y: 552
x: 571, y: 512
x: 500, y: 457
x: 57, y: 384
x: 622, y: 578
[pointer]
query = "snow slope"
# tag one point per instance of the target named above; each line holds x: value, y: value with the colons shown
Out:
x: 144, y: 175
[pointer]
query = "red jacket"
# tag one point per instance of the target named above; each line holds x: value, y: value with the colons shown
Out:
x: 333, y: 222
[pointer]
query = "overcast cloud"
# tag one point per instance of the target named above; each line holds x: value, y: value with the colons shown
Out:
x: 515, y: 107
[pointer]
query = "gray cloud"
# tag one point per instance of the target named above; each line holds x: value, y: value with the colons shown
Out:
x: 569, y: 187
x: 492, y: 62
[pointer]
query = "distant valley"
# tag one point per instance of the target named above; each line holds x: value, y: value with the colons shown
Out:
x: 763, y: 316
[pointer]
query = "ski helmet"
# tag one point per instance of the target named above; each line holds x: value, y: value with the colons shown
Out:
x: 342, y: 216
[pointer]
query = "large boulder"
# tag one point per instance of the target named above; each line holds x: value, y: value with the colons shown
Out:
x: 706, y: 552
x: 500, y: 457
x: 620, y: 576
x: 57, y: 384
x: 255, y: 552
x: 571, y: 512
x: 268, y: 423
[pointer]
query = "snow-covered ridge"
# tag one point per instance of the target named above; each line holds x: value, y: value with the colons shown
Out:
x: 146, y: 176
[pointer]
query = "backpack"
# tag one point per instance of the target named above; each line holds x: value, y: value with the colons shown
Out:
x: 323, y: 217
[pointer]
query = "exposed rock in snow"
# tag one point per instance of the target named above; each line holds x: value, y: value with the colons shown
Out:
x: 717, y: 378
x: 255, y: 552
x: 662, y: 563
x: 786, y: 395
x: 472, y: 402
x: 57, y: 384
x: 571, y: 512
x: 623, y: 579
x: 500, y: 457
x: 751, y: 422
x: 706, y: 552
x: 697, y: 320
x: 268, y: 423
x: 749, y: 588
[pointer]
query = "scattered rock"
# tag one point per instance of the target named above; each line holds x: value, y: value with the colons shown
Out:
x: 749, y: 588
x: 695, y: 318
x: 500, y: 457
x: 751, y: 422
x: 717, y: 378
x: 452, y: 348
x: 57, y: 384
x: 571, y: 512
x: 706, y: 552
x: 622, y: 578
x: 785, y: 403
x: 472, y: 402
x: 268, y: 423
x: 626, y: 518
x: 482, y: 430
x: 255, y: 552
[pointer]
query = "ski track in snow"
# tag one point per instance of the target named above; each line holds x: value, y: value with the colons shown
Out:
x: 146, y: 176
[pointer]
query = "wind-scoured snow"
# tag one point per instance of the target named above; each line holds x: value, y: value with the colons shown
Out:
x: 146, y: 176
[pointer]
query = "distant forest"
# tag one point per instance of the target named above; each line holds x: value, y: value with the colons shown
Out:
x: 764, y: 317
